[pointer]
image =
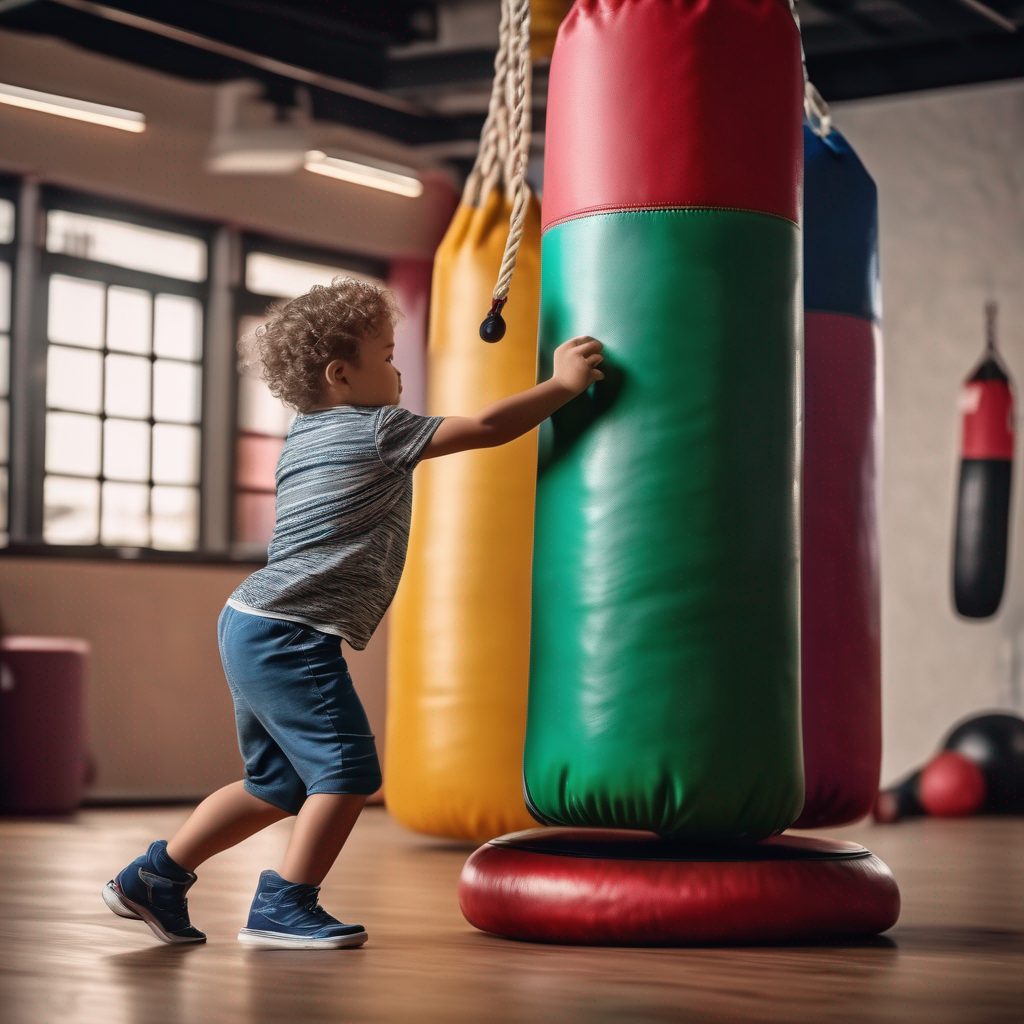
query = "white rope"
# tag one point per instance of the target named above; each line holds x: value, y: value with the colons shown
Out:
x: 815, y: 107
x: 519, y: 147
x: 505, y: 139
x: 817, y: 111
x: 488, y: 161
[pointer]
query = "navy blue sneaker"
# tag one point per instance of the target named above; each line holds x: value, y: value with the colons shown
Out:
x: 152, y: 889
x: 286, y: 915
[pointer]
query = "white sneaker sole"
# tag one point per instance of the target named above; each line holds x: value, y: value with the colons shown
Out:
x: 124, y: 907
x: 277, y: 940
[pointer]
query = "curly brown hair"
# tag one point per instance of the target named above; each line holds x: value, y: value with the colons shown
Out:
x: 302, y: 335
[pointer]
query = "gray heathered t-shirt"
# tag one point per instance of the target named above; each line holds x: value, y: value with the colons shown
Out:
x: 344, y: 503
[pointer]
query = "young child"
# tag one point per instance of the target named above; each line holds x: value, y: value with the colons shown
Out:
x: 343, y: 504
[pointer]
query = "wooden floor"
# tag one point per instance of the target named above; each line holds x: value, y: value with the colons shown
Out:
x: 957, y: 954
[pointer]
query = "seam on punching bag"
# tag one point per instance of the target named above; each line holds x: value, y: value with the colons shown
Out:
x: 610, y: 208
x: 845, y: 315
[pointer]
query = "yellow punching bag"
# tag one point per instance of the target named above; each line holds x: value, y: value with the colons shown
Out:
x: 458, y: 660
x: 545, y: 16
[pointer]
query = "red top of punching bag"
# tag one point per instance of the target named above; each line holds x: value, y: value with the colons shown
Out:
x: 685, y: 101
x: 987, y: 406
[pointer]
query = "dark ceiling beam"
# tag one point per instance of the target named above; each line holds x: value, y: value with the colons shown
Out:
x: 938, y: 65
x: 869, y: 27
x: 449, y: 71
x: 990, y: 14
x: 379, y: 25
x: 273, y: 48
x: 948, y: 17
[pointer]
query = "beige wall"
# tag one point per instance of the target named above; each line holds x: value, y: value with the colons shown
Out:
x: 159, y: 713
x: 950, y: 174
x: 159, y: 717
x: 163, y: 166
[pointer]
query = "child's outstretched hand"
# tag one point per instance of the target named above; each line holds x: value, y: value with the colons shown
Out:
x: 576, y: 362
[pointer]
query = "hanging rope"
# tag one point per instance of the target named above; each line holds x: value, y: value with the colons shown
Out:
x: 505, y: 147
x: 990, y: 329
x: 490, y: 155
x: 815, y: 107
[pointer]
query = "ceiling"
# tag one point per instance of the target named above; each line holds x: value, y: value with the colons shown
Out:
x: 419, y: 71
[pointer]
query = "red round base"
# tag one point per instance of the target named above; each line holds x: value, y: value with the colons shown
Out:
x: 610, y: 887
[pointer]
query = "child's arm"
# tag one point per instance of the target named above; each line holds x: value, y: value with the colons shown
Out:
x: 574, y: 371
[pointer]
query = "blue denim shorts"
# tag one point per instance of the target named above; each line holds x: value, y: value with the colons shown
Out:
x: 301, y: 726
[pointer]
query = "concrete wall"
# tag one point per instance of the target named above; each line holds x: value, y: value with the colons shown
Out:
x: 950, y: 174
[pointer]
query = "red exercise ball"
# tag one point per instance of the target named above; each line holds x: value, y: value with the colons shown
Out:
x: 952, y: 786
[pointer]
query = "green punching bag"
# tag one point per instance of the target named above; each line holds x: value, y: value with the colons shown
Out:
x: 664, y: 668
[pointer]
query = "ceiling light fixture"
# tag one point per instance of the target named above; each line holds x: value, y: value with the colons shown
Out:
x: 388, y: 177
x: 68, y: 106
x: 256, y: 135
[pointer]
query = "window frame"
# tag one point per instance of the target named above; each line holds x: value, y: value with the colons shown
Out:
x: 223, y: 291
x: 254, y: 304
x: 9, y: 255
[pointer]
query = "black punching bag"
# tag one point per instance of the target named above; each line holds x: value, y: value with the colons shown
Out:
x: 983, y: 497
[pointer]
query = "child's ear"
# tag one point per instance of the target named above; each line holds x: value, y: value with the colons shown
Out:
x: 336, y: 372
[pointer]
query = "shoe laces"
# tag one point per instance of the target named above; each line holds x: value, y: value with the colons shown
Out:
x: 311, y: 896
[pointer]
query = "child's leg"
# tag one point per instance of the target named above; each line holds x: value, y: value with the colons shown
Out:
x: 222, y: 820
x: 323, y: 824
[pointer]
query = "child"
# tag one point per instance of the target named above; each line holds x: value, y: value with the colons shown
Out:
x: 344, y: 501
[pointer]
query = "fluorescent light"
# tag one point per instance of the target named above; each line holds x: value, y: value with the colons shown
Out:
x: 364, y: 174
x: 67, y: 106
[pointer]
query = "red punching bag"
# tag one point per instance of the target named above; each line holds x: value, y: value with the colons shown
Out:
x: 983, y: 496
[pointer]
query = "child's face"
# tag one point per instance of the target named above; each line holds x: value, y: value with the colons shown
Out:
x: 376, y: 380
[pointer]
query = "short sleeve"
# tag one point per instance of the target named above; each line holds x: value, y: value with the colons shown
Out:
x: 402, y: 435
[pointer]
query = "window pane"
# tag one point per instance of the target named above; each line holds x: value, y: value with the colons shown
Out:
x: 128, y: 320
x: 5, y: 455
x: 127, y: 390
x: 72, y: 444
x: 175, y: 517
x: 259, y: 411
x: 256, y: 459
x: 126, y: 450
x: 5, y: 363
x: 125, y: 514
x: 254, y: 518
x: 6, y: 221
x: 175, y: 454
x: 70, y: 511
x: 73, y: 378
x: 75, y: 311
x: 178, y: 331
x: 175, y: 391
x: 5, y: 297
x: 286, y: 278
x: 126, y: 245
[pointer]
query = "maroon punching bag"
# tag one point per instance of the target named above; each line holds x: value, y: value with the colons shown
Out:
x: 983, y: 496
x: 840, y: 606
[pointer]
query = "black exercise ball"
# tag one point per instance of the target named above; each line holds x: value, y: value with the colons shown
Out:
x: 995, y: 743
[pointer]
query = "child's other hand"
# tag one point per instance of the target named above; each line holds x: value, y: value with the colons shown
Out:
x: 576, y: 362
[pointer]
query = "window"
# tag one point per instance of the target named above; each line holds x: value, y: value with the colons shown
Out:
x: 134, y: 434
x: 124, y: 326
x: 7, y: 219
x: 271, y: 273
